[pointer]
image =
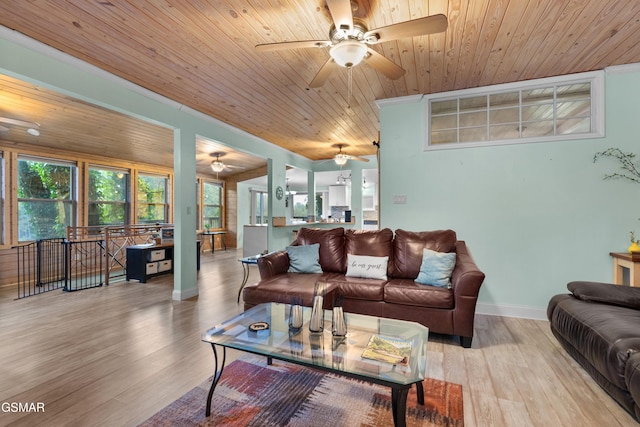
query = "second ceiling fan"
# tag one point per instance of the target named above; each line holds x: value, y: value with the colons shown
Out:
x: 350, y: 40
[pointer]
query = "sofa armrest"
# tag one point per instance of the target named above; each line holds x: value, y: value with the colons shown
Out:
x: 273, y: 264
x: 466, y: 277
x: 466, y: 280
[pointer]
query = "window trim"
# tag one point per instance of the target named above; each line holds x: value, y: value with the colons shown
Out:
x: 221, y: 206
x: 596, y: 78
x: 167, y: 199
x: 73, y: 191
x: 127, y: 201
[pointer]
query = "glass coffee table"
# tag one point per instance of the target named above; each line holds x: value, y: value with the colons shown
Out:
x: 321, y: 350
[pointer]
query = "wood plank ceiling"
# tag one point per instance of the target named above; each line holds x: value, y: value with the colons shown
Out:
x: 201, y: 54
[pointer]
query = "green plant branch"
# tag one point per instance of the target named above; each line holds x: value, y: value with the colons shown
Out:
x: 628, y: 163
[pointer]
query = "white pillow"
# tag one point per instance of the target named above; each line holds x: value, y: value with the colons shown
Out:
x: 367, y: 267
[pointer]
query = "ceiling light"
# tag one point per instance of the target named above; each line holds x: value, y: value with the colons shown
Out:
x: 341, y: 159
x: 32, y: 126
x: 217, y: 166
x: 348, y: 53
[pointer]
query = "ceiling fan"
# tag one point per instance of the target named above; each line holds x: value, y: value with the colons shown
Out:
x: 218, y: 166
x: 32, y: 127
x: 350, y: 40
x: 342, y: 158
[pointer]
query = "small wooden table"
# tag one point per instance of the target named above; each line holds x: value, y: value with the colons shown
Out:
x: 213, y: 234
x: 630, y: 261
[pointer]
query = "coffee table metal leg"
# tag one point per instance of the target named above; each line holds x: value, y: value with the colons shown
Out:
x: 420, y: 392
x: 216, y: 376
x: 399, y: 406
x: 245, y: 278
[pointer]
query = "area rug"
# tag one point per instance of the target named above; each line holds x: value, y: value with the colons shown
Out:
x: 252, y: 393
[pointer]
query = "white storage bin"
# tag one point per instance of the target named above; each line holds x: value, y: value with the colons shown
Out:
x: 152, y: 267
x: 164, y: 265
x: 156, y: 255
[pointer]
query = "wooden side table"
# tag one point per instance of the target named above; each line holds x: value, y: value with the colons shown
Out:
x: 622, y: 260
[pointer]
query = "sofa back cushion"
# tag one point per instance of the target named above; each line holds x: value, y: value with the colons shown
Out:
x: 333, y: 257
x: 375, y: 243
x: 408, y: 248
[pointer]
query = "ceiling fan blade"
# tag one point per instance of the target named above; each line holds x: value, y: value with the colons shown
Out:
x: 268, y: 47
x: 416, y: 27
x: 360, y: 159
x: 341, y: 13
x: 324, y: 73
x: 384, y: 65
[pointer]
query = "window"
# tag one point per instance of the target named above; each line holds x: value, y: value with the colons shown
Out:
x: 300, y: 206
x: 212, y: 204
x: 152, y: 199
x: 108, y: 196
x: 259, y: 207
x: 46, y: 198
x: 538, y: 110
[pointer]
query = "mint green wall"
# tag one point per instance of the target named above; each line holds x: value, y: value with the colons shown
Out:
x: 535, y: 216
x: 31, y: 61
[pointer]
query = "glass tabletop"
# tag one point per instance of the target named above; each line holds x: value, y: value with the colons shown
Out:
x: 323, y: 350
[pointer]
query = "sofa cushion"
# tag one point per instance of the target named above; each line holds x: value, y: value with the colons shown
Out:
x: 408, y: 248
x: 285, y: 288
x: 371, y: 243
x: 607, y: 293
x: 408, y: 292
x: 368, y: 267
x: 436, y: 268
x: 304, y: 259
x: 359, y: 288
x: 332, y: 254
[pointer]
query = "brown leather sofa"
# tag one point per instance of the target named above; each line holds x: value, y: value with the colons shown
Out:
x: 598, y: 324
x: 443, y: 310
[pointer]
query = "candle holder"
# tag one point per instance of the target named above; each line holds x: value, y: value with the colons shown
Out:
x: 316, y: 323
x: 295, y: 316
x: 338, y: 321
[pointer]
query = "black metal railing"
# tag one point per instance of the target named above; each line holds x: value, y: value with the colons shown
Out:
x: 84, y: 266
x: 40, y: 266
x: 49, y: 264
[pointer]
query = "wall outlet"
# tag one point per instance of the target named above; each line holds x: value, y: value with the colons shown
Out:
x: 400, y: 199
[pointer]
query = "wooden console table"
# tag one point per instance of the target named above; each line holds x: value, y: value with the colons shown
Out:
x: 622, y: 260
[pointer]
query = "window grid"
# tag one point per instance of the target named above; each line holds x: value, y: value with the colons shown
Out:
x: 152, y: 199
x: 508, y: 114
x: 46, y: 198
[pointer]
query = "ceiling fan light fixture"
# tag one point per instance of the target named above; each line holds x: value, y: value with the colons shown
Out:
x: 340, y: 159
x: 33, y: 131
x: 217, y: 166
x: 348, y: 53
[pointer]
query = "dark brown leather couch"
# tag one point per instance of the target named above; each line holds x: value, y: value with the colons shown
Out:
x: 442, y: 310
x: 598, y: 324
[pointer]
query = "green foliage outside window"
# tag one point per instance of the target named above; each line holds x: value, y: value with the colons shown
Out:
x: 152, y: 201
x: 108, y: 197
x: 45, y: 199
x: 212, y: 204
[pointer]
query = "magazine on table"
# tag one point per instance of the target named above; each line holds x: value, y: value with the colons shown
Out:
x: 386, y: 349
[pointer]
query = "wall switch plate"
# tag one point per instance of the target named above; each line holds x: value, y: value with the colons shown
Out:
x: 400, y: 199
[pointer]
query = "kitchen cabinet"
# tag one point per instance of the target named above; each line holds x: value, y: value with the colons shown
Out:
x: 339, y: 195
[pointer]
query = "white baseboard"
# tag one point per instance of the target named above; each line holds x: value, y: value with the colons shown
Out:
x: 512, y: 311
x: 183, y: 294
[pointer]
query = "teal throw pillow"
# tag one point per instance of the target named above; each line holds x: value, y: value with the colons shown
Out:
x: 304, y: 259
x: 436, y: 268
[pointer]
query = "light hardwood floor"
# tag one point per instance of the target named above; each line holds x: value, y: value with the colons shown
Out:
x: 113, y: 356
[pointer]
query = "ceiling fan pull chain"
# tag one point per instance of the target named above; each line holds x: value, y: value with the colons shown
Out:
x: 350, y: 85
